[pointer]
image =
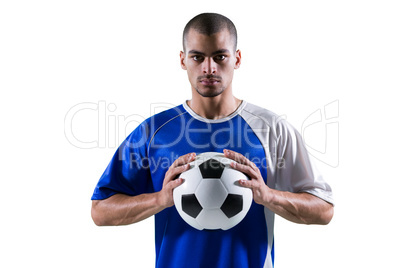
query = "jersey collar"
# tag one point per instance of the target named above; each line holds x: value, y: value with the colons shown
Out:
x: 214, y: 121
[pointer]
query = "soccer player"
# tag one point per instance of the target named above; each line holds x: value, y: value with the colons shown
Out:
x: 141, y: 176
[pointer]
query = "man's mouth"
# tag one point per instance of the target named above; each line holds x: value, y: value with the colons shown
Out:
x: 209, y: 81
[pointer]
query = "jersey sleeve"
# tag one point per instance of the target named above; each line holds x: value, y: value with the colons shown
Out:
x: 295, y: 169
x: 128, y: 171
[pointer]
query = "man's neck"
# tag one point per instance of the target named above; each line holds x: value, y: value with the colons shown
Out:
x: 215, y: 107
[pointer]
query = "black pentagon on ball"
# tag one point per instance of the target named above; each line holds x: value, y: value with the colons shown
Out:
x: 190, y: 205
x: 211, y: 169
x: 233, y: 205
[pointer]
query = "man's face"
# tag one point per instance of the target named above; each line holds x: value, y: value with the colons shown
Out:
x: 210, y: 62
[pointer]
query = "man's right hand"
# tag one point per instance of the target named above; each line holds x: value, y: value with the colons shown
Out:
x: 181, y: 164
x: 121, y: 209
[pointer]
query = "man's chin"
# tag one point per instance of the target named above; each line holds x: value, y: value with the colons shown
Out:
x: 209, y: 92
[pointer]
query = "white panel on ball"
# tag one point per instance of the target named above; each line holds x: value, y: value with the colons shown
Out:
x: 211, y: 193
x: 210, y: 197
x: 212, y: 219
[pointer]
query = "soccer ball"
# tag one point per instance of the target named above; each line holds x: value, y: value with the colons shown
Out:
x: 210, y: 196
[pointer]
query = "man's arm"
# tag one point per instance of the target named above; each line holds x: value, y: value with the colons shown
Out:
x: 121, y: 209
x: 296, y: 207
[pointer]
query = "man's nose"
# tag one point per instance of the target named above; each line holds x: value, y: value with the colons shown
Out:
x: 209, y: 66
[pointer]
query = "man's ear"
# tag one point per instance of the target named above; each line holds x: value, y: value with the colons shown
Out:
x: 182, y: 60
x: 238, y: 59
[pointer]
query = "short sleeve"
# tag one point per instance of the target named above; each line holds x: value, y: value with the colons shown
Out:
x: 128, y: 171
x: 295, y: 170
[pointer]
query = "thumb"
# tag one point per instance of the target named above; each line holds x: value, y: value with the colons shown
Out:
x: 175, y: 183
x: 247, y: 183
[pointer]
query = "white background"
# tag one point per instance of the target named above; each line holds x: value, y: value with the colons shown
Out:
x: 298, y: 57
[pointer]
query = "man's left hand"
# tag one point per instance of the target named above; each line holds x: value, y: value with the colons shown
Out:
x: 261, y: 192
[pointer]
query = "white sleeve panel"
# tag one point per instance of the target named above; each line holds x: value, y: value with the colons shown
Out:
x: 290, y: 167
x: 295, y: 171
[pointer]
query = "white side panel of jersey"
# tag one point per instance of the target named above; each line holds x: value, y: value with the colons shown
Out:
x: 261, y: 121
x: 289, y: 164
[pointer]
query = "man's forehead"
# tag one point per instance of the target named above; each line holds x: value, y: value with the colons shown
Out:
x: 197, y: 41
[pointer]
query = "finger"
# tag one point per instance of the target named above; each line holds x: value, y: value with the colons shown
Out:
x: 247, y: 183
x: 174, y: 172
x: 251, y: 172
x: 175, y: 183
x: 184, y: 159
x: 178, y: 170
x: 239, y: 158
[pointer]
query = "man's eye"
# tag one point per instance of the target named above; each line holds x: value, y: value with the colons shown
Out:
x: 220, y: 57
x: 198, y: 58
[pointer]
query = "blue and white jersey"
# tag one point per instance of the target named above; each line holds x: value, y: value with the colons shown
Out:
x: 140, y: 164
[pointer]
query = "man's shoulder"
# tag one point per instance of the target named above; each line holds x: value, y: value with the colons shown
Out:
x: 165, y: 116
x: 256, y: 112
x: 147, y: 128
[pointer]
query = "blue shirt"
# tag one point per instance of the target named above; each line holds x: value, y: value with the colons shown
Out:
x: 140, y: 164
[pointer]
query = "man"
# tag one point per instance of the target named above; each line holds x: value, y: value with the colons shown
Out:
x: 138, y: 184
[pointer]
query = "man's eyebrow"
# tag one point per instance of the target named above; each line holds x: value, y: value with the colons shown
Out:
x: 220, y: 51
x: 195, y: 52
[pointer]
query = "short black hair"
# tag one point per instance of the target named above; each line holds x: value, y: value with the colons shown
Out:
x: 209, y: 24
